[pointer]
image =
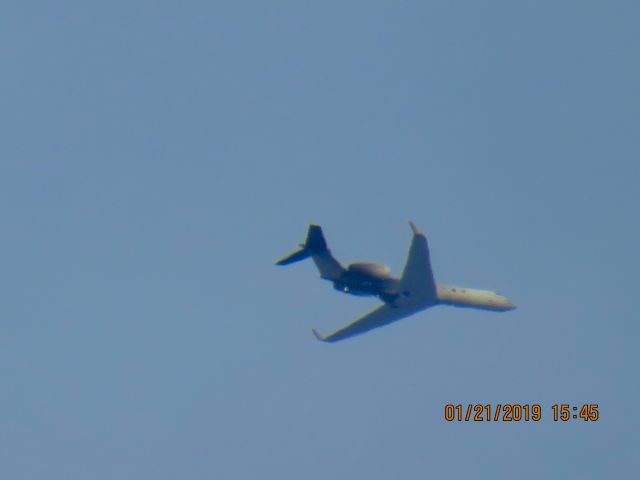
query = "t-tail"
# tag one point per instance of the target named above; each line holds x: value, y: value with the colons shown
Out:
x: 315, y: 246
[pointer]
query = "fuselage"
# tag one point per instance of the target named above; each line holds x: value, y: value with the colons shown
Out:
x: 473, y: 298
x: 370, y: 279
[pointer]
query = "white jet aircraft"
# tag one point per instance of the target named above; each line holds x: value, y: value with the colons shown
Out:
x: 415, y: 290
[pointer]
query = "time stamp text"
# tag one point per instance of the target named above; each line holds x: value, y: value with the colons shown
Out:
x: 517, y: 412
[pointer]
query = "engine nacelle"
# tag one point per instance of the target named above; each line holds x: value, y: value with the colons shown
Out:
x: 370, y: 269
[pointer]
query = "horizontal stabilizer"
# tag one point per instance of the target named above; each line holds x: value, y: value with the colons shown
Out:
x: 315, y: 246
x: 294, y: 257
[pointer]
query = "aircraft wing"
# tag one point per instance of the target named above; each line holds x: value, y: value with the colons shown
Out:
x: 417, y: 291
x: 417, y: 282
x: 379, y: 317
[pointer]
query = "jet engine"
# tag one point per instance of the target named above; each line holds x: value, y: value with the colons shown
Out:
x: 369, y: 269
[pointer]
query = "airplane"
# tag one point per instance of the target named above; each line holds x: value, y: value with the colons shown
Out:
x: 414, y: 291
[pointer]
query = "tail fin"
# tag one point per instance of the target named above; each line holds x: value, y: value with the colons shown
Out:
x: 315, y: 246
x: 315, y: 242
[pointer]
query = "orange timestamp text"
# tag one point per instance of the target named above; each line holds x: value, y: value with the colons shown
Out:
x: 516, y: 412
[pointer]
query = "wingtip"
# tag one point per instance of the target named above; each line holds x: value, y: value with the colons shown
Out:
x: 281, y: 261
x: 414, y: 228
x: 317, y: 335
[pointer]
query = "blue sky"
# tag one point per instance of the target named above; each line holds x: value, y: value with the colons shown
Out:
x: 157, y: 157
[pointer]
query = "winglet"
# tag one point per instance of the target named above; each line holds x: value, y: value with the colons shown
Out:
x: 317, y: 335
x: 414, y: 228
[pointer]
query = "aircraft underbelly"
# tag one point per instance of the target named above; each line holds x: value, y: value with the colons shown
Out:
x: 366, y: 285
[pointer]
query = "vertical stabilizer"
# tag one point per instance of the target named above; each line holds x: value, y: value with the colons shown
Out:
x: 315, y: 246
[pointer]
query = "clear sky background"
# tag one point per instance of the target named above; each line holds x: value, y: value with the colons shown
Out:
x: 158, y: 157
